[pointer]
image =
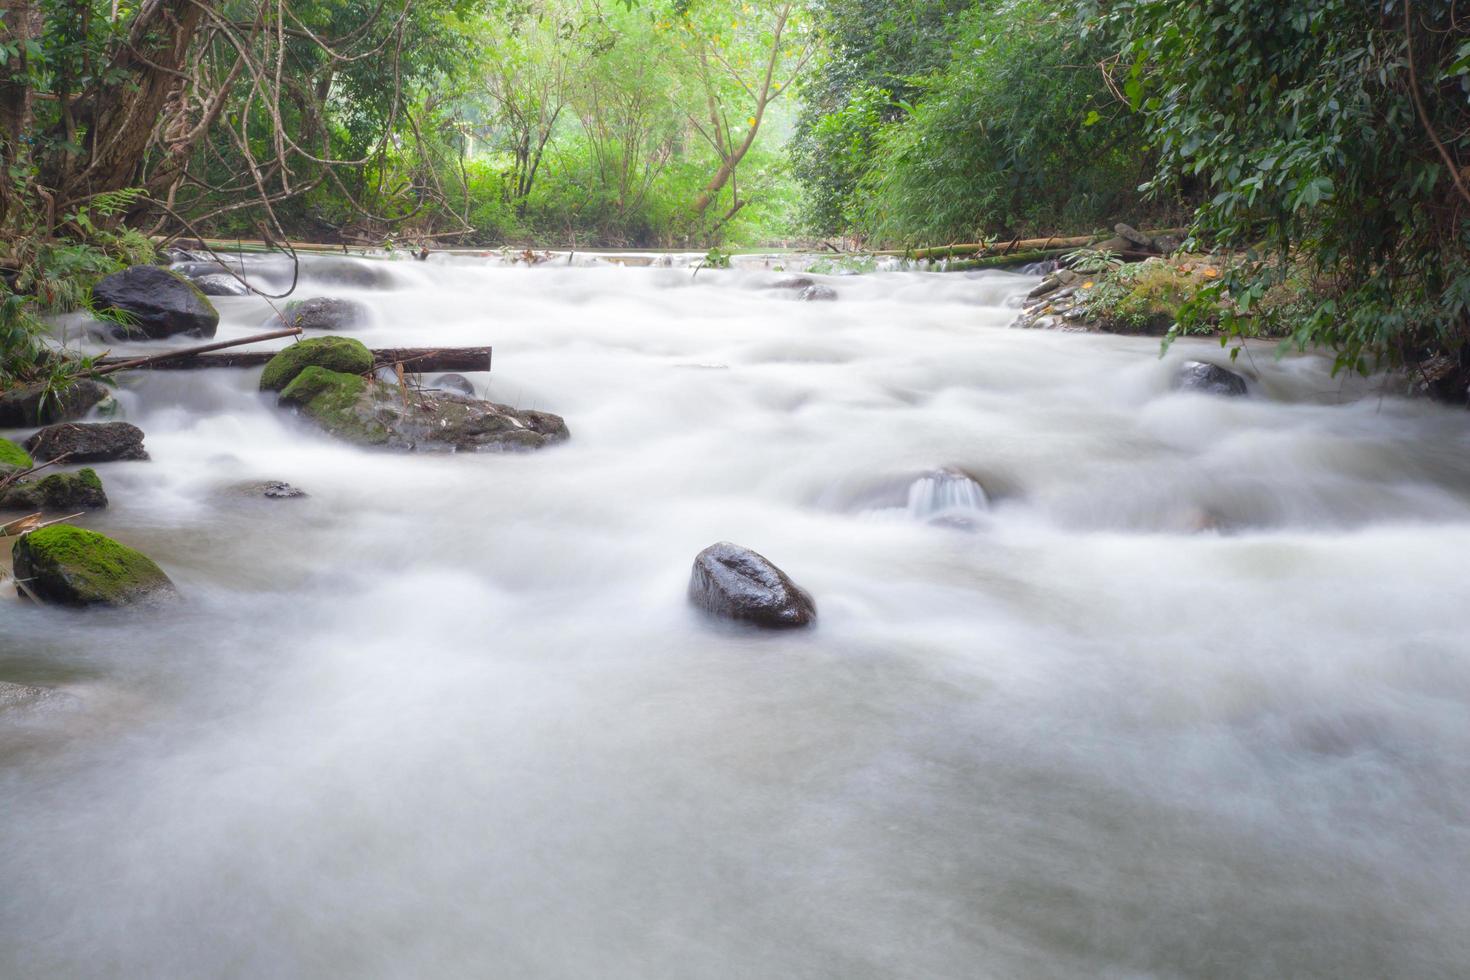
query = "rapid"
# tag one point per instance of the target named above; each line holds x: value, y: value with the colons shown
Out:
x: 1178, y: 687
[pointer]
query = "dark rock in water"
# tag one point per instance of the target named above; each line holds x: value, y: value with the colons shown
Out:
x: 59, y: 491
x: 221, y: 284
x: 87, y: 442
x: 1210, y: 379
x: 372, y: 413
x: 195, y: 267
x: 736, y: 583
x: 24, y: 408
x: 69, y: 566
x: 363, y: 273
x: 155, y: 303
x: 341, y: 354
x: 454, y: 382
x: 326, y: 313
x: 277, y: 490
x: 24, y: 699
x: 817, y: 293
x: 792, y: 282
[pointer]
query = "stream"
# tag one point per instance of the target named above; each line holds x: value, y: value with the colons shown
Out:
x: 1178, y: 687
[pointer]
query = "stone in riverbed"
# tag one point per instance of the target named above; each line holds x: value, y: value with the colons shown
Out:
x: 59, y: 491
x: 326, y: 313
x: 372, y: 413
x: 70, y: 566
x: 270, y: 489
x: 817, y: 293
x: 30, y: 406
x: 155, y: 303
x: 732, y: 582
x: 456, y: 383
x: 221, y: 284
x: 88, y: 442
x: 28, y: 700
x: 339, y: 354
x: 1209, y: 379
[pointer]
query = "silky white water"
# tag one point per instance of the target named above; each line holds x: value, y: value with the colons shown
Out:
x: 1185, y: 694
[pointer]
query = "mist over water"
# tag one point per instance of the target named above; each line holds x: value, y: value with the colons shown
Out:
x: 1185, y: 692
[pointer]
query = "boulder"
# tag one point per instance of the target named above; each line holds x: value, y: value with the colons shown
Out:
x: 81, y: 490
x: 70, y: 566
x: 372, y: 413
x: 1209, y: 379
x: 88, y: 442
x: 13, y: 458
x: 33, y: 405
x: 1133, y: 236
x: 732, y: 582
x: 340, y: 354
x: 271, y: 490
x: 816, y: 293
x: 792, y: 282
x: 326, y: 313
x: 154, y: 303
x: 362, y: 273
x: 221, y: 284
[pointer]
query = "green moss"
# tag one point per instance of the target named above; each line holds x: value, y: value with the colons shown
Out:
x: 340, y: 403
x: 342, y: 354
x: 88, y: 478
x: 72, y: 566
x: 12, y: 457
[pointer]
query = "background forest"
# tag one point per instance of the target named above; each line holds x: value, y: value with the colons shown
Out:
x: 1323, y: 141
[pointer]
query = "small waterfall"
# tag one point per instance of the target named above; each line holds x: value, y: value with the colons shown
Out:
x: 946, y: 497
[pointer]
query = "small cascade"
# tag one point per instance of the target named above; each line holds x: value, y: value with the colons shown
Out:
x: 947, y: 497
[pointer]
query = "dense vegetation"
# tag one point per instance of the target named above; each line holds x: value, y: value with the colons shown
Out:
x: 1323, y: 143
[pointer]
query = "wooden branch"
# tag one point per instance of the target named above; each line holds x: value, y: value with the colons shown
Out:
x: 112, y: 364
x: 415, y: 359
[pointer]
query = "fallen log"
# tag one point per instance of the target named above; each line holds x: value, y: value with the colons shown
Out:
x: 413, y: 359
x: 102, y: 365
x: 1021, y: 246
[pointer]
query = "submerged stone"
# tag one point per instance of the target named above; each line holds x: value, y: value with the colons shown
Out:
x: 70, y: 566
x: 372, y: 413
x: 732, y: 582
x: 221, y: 284
x: 154, y: 303
x: 88, y: 442
x: 339, y: 354
x: 81, y: 490
x: 326, y: 313
x: 1209, y: 379
x: 33, y: 405
x: 817, y: 293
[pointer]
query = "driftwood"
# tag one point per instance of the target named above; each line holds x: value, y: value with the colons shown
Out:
x: 413, y: 359
x: 109, y: 365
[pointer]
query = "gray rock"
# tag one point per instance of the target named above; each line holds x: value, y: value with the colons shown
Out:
x: 155, y: 303
x: 791, y: 282
x: 732, y: 582
x: 23, y: 408
x: 326, y: 313
x: 1209, y: 379
x: 87, y: 442
x: 221, y: 284
x: 817, y: 294
x: 1132, y: 235
x: 270, y: 490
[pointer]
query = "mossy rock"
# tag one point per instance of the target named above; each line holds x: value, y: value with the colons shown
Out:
x: 73, y: 567
x: 13, y: 458
x: 59, y: 491
x: 341, y: 354
x: 336, y: 402
x: 372, y: 413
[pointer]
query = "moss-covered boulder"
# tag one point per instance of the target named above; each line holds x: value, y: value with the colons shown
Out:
x: 340, y: 354
x: 32, y: 405
x: 13, y: 458
x: 73, y: 567
x: 152, y: 303
x: 372, y: 413
x: 81, y: 490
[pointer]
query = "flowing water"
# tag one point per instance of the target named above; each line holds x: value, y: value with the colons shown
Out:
x: 1179, y: 686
